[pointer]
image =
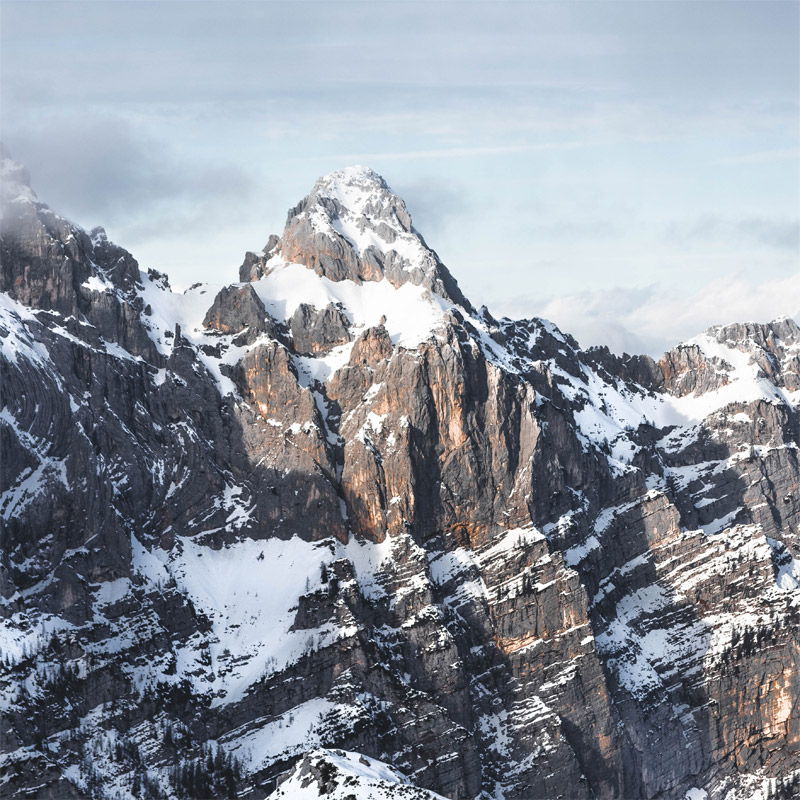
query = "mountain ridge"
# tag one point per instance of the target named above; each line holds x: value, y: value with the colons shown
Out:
x: 353, y: 175
x: 309, y: 511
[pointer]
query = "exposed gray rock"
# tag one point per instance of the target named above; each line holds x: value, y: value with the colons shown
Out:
x: 254, y: 265
x: 639, y: 370
x: 317, y: 331
x: 238, y: 310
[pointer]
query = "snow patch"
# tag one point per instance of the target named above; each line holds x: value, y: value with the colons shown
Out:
x: 412, y: 312
x: 354, y: 776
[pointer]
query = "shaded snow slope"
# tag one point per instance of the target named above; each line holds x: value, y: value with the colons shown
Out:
x: 249, y: 592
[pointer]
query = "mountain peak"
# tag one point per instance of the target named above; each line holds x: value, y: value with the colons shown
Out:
x: 356, y: 203
x: 352, y: 185
x: 322, y: 510
x: 351, y: 226
x: 357, y: 174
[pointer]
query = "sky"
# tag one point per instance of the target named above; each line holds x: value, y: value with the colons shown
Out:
x: 630, y: 170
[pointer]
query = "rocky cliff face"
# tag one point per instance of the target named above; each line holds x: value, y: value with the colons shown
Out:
x: 333, y: 506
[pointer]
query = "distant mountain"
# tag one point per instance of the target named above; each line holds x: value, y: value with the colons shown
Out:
x: 332, y: 532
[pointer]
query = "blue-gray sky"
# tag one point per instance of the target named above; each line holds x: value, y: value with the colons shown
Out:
x: 629, y: 169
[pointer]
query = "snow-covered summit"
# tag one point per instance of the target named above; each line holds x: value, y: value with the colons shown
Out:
x: 358, y: 178
x: 358, y: 204
x: 351, y: 226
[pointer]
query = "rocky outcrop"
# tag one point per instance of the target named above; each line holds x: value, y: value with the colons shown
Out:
x: 253, y: 267
x: 238, y: 310
x: 316, y: 332
x: 637, y: 370
x: 687, y: 370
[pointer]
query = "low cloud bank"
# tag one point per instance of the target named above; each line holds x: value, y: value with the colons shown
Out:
x: 653, y: 319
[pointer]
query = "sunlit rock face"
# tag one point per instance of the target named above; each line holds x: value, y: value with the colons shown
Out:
x: 332, y: 532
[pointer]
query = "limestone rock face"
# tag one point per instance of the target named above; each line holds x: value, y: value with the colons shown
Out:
x: 238, y: 310
x: 330, y: 530
x: 316, y: 332
x: 254, y: 264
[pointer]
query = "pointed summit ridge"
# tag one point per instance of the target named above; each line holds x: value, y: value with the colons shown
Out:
x: 351, y: 226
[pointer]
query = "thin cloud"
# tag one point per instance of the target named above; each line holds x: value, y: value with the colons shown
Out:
x: 100, y: 168
x: 761, y: 157
x: 434, y: 203
x: 461, y: 152
x: 653, y: 319
x: 778, y: 233
x: 577, y: 132
x: 578, y: 229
